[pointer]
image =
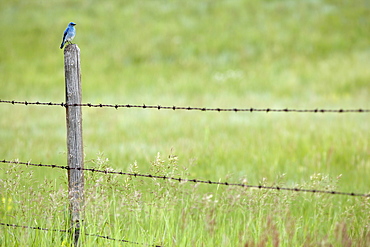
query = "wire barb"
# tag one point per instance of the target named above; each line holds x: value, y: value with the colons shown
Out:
x: 193, y: 180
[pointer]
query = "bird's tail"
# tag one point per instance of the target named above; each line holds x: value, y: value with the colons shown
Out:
x: 61, y: 45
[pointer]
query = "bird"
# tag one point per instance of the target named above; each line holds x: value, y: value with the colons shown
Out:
x: 69, y: 34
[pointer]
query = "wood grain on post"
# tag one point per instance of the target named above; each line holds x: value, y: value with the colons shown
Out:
x: 75, y: 154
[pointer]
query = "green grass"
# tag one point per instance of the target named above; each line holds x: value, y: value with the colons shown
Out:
x: 235, y: 53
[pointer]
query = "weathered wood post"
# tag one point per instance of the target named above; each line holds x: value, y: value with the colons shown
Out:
x: 75, y: 154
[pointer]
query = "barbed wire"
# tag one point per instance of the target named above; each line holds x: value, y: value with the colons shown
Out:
x: 203, y: 109
x: 192, y: 180
x: 86, y: 234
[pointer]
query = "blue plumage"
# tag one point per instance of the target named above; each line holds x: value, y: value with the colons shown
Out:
x: 69, y: 34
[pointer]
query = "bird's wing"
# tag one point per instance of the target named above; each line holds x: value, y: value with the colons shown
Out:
x: 65, y: 34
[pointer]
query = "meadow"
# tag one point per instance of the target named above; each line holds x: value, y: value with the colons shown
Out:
x: 311, y: 54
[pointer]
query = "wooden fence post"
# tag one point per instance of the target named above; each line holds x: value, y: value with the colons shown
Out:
x: 75, y: 154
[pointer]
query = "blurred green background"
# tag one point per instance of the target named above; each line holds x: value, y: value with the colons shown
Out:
x: 231, y: 53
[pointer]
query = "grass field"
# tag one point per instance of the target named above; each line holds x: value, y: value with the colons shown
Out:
x: 230, y: 53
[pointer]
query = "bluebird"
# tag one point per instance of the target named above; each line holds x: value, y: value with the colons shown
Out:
x: 69, y: 34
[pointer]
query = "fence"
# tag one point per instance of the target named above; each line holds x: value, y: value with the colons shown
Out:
x: 66, y: 231
x: 188, y: 108
x: 75, y: 153
x: 179, y: 179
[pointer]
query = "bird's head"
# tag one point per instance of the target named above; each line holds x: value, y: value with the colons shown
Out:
x: 72, y: 24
